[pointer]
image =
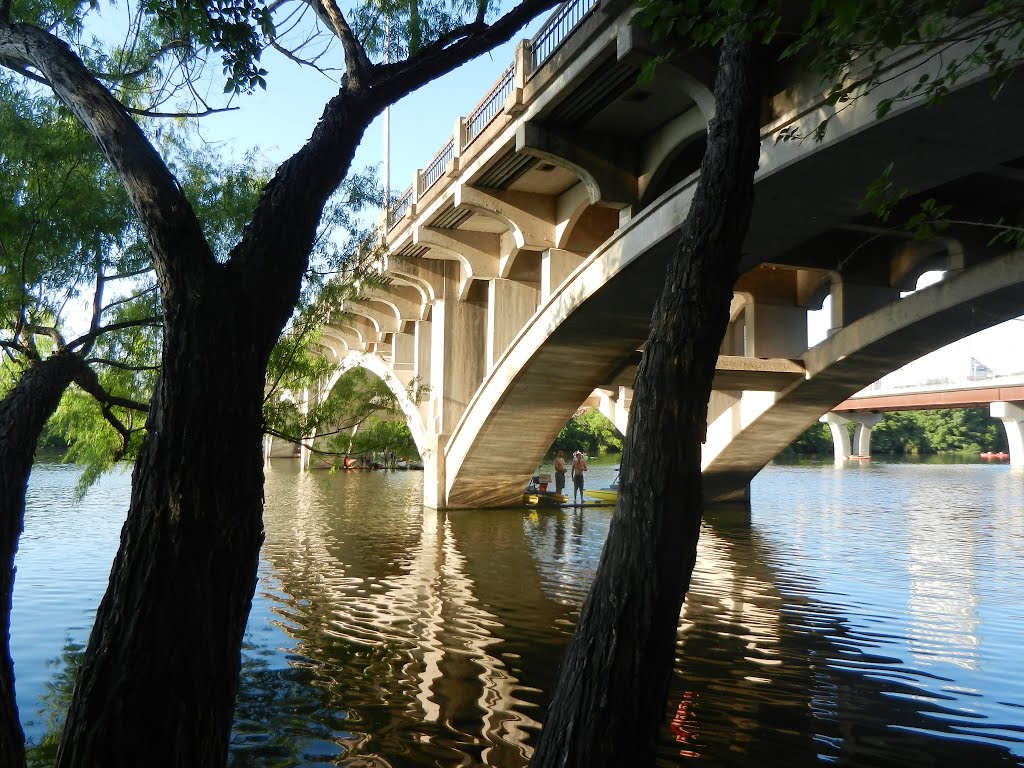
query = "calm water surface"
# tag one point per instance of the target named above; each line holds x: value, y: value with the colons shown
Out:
x: 866, y: 617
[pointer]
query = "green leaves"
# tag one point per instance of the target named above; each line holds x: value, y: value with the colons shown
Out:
x: 238, y: 30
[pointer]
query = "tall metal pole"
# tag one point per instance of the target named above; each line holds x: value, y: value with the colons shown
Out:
x: 387, y: 122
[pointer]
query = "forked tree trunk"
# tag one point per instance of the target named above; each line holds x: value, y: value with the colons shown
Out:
x: 23, y: 414
x: 610, y: 698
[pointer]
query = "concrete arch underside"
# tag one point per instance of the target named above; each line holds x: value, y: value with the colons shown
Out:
x: 743, y: 439
x: 375, y: 365
x: 578, y: 339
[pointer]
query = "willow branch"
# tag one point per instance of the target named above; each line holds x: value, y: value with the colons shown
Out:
x: 152, y: 322
x: 121, y: 366
x: 155, y: 113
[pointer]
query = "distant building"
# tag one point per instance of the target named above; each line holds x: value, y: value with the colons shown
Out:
x: 980, y: 371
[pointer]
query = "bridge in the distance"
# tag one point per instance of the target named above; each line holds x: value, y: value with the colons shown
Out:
x: 526, y: 256
x: 1002, y: 395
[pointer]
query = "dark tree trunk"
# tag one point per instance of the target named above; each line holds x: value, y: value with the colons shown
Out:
x: 23, y: 414
x: 610, y: 698
x: 158, y: 682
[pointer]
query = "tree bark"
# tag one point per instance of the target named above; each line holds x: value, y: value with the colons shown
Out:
x: 611, y: 694
x: 23, y: 414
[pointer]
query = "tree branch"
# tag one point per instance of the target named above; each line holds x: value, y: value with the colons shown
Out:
x: 392, y: 81
x: 204, y: 113
x: 91, y: 335
x: 356, y: 61
x: 180, y: 251
x: 48, y: 331
x: 121, y: 366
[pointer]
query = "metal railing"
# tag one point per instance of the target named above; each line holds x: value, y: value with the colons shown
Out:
x: 557, y: 29
x: 489, y: 106
x: 437, y: 166
x: 400, y: 206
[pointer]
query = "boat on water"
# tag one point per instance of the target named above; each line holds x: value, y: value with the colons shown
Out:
x: 994, y: 455
x: 538, y: 495
x: 607, y: 495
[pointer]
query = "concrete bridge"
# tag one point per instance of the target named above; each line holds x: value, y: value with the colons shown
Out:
x: 525, y: 258
x: 1002, y: 395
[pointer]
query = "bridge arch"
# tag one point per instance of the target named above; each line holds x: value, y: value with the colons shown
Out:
x: 568, y: 348
x: 743, y: 439
x: 375, y: 365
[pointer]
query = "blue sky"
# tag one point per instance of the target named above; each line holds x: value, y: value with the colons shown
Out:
x: 281, y: 119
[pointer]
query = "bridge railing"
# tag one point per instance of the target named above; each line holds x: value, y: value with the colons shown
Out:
x: 534, y: 54
x: 557, y: 29
x: 435, y: 170
x: 398, y: 209
x: 489, y: 106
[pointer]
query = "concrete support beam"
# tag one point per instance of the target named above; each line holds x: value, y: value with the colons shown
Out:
x: 1012, y: 416
x: 383, y: 316
x: 555, y: 266
x: 529, y: 217
x: 510, y: 305
x: 840, y: 436
x: 852, y: 301
x: 603, y: 169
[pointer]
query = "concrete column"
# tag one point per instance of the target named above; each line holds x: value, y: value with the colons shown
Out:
x: 862, y: 433
x: 457, y: 351
x: 1012, y: 416
x: 421, y: 353
x: 555, y: 266
x: 774, y: 330
x: 510, y: 304
x: 268, y: 444
x: 403, y: 351
x: 852, y: 301
x: 622, y: 405
x: 735, y: 340
x: 840, y: 436
x: 435, y: 495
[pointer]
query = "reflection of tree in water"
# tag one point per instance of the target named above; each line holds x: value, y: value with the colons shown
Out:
x: 768, y: 673
x: 55, y: 702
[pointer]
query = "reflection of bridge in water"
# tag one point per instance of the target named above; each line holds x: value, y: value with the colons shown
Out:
x: 437, y: 636
x: 525, y: 258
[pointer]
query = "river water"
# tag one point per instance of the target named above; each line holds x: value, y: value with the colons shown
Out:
x: 869, y: 616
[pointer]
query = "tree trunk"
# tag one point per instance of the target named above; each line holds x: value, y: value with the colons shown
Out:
x: 23, y: 414
x: 158, y: 681
x: 610, y: 698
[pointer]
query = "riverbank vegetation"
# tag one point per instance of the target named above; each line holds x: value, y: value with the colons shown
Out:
x: 590, y: 432
x: 913, y: 433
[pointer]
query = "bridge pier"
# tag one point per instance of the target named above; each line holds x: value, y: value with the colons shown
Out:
x: 1012, y: 416
x: 841, y: 438
x: 862, y: 432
